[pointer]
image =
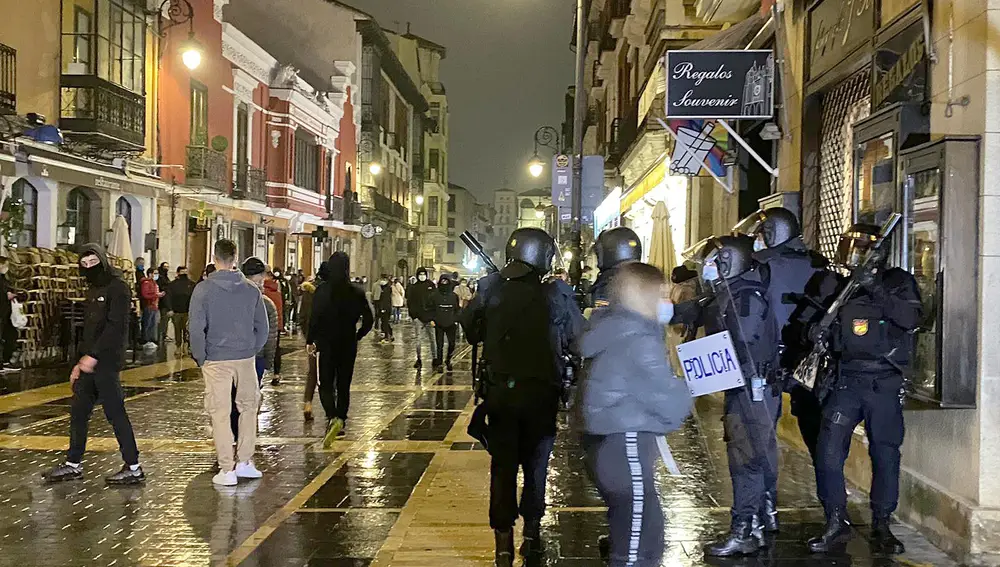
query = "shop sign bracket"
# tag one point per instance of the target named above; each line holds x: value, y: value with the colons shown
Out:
x: 767, y: 167
x: 688, y: 152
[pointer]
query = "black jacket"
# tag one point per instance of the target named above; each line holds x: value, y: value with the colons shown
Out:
x: 163, y: 282
x: 179, y: 293
x: 444, y: 307
x: 106, y: 313
x: 337, y: 307
x: 5, y: 308
x: 418, y: 300
x: 384, y: 303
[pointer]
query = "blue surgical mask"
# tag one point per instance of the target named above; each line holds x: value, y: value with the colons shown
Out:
x: 758, y: 244
x: 664, y: 312
x: 710, y: 272
x: 156, y: 277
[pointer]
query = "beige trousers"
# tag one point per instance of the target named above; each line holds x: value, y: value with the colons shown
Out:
x: 219, y: 379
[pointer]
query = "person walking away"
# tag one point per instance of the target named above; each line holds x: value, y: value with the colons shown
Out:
x: 444, y: 314
x: 338, y: 307
x: 627, y: 398
x: 286, y: 297
x: 166, y: 310
x: 418, y: 298
x: 150, y: 295
x: 512, y: 316
x: 295, y: 281
x: 8, y: 333
x: 305, y: 314
x: 384, y: 307
x: 96, y: 375
x: 209, y: 269
x: 179, y: 293
x: 253, y: 269
x: 398, y: 300
x: 272, y: 289
x: 228, y: 327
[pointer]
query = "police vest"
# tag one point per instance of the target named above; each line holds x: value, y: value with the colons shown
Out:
x: 741, y: 308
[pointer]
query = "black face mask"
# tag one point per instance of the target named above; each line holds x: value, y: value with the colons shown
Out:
x: 94, y: 274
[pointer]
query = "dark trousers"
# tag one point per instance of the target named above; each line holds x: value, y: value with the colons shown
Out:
x: 385, y: 316
x: 622, y: 466
x: 809, y: 414
x: 9, y: 336
x: 103, y: 384
x: 439, y: 334
x: 521, y: 434
x: 336, y: 370
x: 874, y: 399
x: 234, y: 415
x: 277, y: 355
x: 751, y: 447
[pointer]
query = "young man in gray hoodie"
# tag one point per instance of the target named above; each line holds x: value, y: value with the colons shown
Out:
x: 228, y: 327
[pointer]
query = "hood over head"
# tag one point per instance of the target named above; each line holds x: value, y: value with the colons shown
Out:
x: 101, y: 273
x: 323, y: 272
x: 226, y: 279
x: 339, y: 265
x: 271, y: 285
x: 97, y: 250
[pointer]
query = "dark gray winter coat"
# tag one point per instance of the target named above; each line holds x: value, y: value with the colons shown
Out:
x: 627, y: 384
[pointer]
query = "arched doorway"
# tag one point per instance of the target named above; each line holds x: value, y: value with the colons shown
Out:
x: 124, y: 208
x: 26, y: 196
x: 82, y: 206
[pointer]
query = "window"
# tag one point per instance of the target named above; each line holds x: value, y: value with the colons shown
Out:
x: 402, y: 126
x: 451, y: 222
x: 432, y: 173
x: 121, y: 45
x: 242, y: 134
x: 435, y: 116
x: 433, y: 211
x: 124, y: 208
x: 451, y: 203
x: 306, y: 161
x: 923, y: 221
x: 451, y: 245
x: 28, y: 195
x: 199, y: 114
x: 84, y: 38
x: 78, y: 215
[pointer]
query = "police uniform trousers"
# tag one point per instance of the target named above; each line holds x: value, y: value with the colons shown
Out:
x: 751, y: 447
x: 872, y: 397
x: 522, y: 425
x: 808, y: 413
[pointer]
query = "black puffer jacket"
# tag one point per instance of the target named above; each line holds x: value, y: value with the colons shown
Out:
x: 444, y: 307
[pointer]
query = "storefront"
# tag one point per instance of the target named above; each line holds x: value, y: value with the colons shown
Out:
x: 637, y: 203
x: 608, y: 213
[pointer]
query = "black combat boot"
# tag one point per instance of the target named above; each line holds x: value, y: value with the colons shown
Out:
x: 740, y: 541
x: 505, y: 548
x: 757, y: 531
x: 838, y: 532
x: 883, y: 541
x: 604, y: 548
x: 417, y: 364
x: 532, y: 544
x: 769, y: 513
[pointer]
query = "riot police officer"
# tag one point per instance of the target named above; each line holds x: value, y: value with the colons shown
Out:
x: 778, y: 245
x: 739, y: 305
x: 872, y: 343
x: 613, y: 246
x: 512, y: 314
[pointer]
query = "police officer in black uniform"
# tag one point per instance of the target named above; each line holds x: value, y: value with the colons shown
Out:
x: 778, y: 245
x: 613, y: 246
x: 872, y: 343
x: 512, y: 314
x: 739, y: 305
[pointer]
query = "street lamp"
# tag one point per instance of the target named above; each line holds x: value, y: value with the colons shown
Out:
x: 375, y: 168
x: 548, y: 137
x: 419, y: 200
x: 181, y: 12
x: 191, y: 53
x: 366, y: 151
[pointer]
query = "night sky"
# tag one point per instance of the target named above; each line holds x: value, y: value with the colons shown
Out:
x: 506, y: 73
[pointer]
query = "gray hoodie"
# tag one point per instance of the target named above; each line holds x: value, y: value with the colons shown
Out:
x: 227, y: 319
x: 627, y: 384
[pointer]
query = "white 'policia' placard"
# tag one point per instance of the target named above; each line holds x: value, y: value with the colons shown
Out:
x: 710, y: 364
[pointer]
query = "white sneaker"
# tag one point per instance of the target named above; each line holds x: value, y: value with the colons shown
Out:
x: 225, y: 479
x: 247, y: 470
x: 150, y: 345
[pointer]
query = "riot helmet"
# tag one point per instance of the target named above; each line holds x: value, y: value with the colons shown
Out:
x: 617, y: 245
x: 855, y: 244
x: 771, y: 227
x: 731, y: 256
x: 533, y: 246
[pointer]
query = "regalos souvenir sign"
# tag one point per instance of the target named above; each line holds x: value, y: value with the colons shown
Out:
x: 710, y: 364
x: 737, y: 84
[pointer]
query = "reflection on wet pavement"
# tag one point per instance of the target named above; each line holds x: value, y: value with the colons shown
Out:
x: 406, y: 487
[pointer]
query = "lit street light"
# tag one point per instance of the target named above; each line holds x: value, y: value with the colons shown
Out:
x: 191, y: 53
x: 548, y: 137
x: 419, y: 200
x: 181, y: 12
x: 375, y: 168
x: 536, y: 167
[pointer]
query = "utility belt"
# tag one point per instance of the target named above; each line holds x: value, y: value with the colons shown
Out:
x: 870, y: 369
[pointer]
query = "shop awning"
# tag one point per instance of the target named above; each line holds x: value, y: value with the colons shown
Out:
x: 73, y: 170
x: 648, y: 182
x: 736, y: 36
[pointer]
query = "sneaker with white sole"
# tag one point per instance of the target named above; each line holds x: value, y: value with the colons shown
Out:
x: 225, y: 479
x: 247, y: 470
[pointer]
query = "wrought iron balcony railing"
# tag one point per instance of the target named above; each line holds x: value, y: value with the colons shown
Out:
x: 250, y: 184
x: 8, y: 80
x: 205, y: 167
x: 620, y: 8
x: 100, y: 113
x: 389, y: 207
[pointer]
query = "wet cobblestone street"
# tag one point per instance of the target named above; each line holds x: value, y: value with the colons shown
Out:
x: 406, y: 487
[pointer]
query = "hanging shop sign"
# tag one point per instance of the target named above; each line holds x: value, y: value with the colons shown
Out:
x: 737, y: 84
x: 900, y: 69
x: 699, y: 145
x: 836, y: 29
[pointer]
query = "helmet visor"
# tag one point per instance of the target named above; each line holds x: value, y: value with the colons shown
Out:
x: 696, y: 252
x: 751, y: 224
x: 853, y: 248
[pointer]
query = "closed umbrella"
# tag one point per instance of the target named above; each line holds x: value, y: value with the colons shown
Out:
x: 661, y: 249
x: 121, y: 245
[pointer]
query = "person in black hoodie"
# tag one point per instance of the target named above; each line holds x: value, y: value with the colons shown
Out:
x: 166, y: 310
x: 418, y: 302
x: 384, y: 307
x: 8, y: 333
x: 444, y: 312
x: 179, y: 295
x: 338, y: 306
x: 96, y: 375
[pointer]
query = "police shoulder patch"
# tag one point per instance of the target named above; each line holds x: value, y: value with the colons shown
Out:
x: 860, y: 327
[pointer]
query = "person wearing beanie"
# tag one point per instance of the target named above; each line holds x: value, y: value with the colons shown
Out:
x: 254, y: 270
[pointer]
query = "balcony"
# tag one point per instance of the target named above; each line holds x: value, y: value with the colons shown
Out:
x: 389, y: 207
x: 250, y: 184
x: 102, y: 114
x: 8, y: 80
x: 337, y: 208
x: 619, y: 9
x: 206, y: 167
